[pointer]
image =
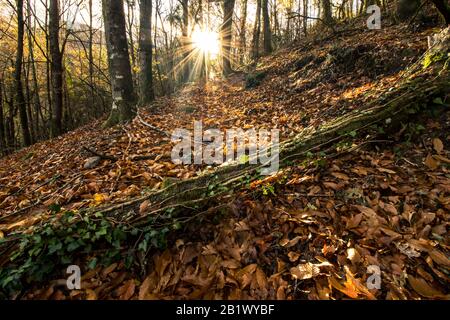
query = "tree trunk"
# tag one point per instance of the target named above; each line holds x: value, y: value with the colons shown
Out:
x: 123, y: 97
x: 185, y: 41
x: 226, y: 31
x: 146, y: 91
x: 256, y: 31
x: 90, y: 52
x: 407, y: 8
x: 444, y: 8
x: 267, y: 32
x: 326, y: 13
x: 37, y: 100
x: 242, y: 36
x: 20, y: 99
x: 129, y: 30
x: 305, y: 17
x: 56, y: 69
x: 2, y: 122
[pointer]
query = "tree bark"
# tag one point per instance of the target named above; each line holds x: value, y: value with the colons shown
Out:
x: 56, y: 69
x: 185, y: 41
x: 124, y: 101
x: 305, y: 17
x: 20, y: 98
x: 242, y: 36
x: 146, y: 90
x: 267, y: 32
x: 444, y: 8
x: 37, y: 100
x: 406, y: 9
x: 327, y: 15
x: 256, y: 31
x: 226, y: 31
x: 2, y: 122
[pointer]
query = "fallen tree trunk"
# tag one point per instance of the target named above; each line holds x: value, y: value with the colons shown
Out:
x: 183, y: 201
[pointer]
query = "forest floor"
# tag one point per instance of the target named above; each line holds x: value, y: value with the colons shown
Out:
x: 313, y: 231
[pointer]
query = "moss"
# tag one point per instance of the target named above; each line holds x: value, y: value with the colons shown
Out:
x: 432, y: 58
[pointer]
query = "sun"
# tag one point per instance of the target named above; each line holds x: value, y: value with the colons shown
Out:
x: 206, y: 41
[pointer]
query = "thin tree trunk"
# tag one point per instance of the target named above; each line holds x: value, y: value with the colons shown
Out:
x: 56, y: 69
x: 186, y: 43
x: 90, y: 53
x: 256, y: 31
x: 267, y: 32
x: 20, y: 99
x: 305, y: 17
x: 2, y: 122
x: 226, y: 31
x: 242, y: 36
x: 146, y: 90
x: 36, y: 97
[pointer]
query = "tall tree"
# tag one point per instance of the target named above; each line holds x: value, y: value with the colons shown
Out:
x: 305, y: 17
x: 3, y: 150
x: 56, y: 68
x: 226, y: 31
x: 407, y: 8
x: 20, y: 98
x: 326, y: 16
x: 146, y: 91
x: 243, y: 29
x: 256, y: 31
x: 186, y: 43
x: 444, y: 8
x: 36, y: 98
x: 267, y: 32
x: 124, y: 100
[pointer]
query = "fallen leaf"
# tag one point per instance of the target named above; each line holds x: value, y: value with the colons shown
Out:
x: 438, y: 145
x: 431, y: 163
x: 423, y: 288
x: 144, y: 207
x: 293, y: 256
x: 439, y: 258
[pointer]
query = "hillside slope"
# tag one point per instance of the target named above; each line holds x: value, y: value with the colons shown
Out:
x: 312, y: 231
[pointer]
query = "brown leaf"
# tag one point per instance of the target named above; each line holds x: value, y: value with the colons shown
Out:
x: 354, y: 221
x: 438, y: 145
x: 145, y: 287
x: 293, y: 256
x: 144, y: 207
x: 431, y: 163
x: 90, y: 294
x: 261, y: 278
x: 341, y: 176
x: 126, y: 291
x: 423, y: 288
x: 439, y: 258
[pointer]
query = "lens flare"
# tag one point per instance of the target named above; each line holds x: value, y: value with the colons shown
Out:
x: 206, y: 41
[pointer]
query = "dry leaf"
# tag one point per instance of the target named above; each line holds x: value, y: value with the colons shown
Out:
x: 144, y: 207
x: 439, y: 258
x: 431, y: 162
x: 293, y: 256
x: 307, y: 270
x: 438, y: 145
x: 90, y: 294
x: 423, y: 288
